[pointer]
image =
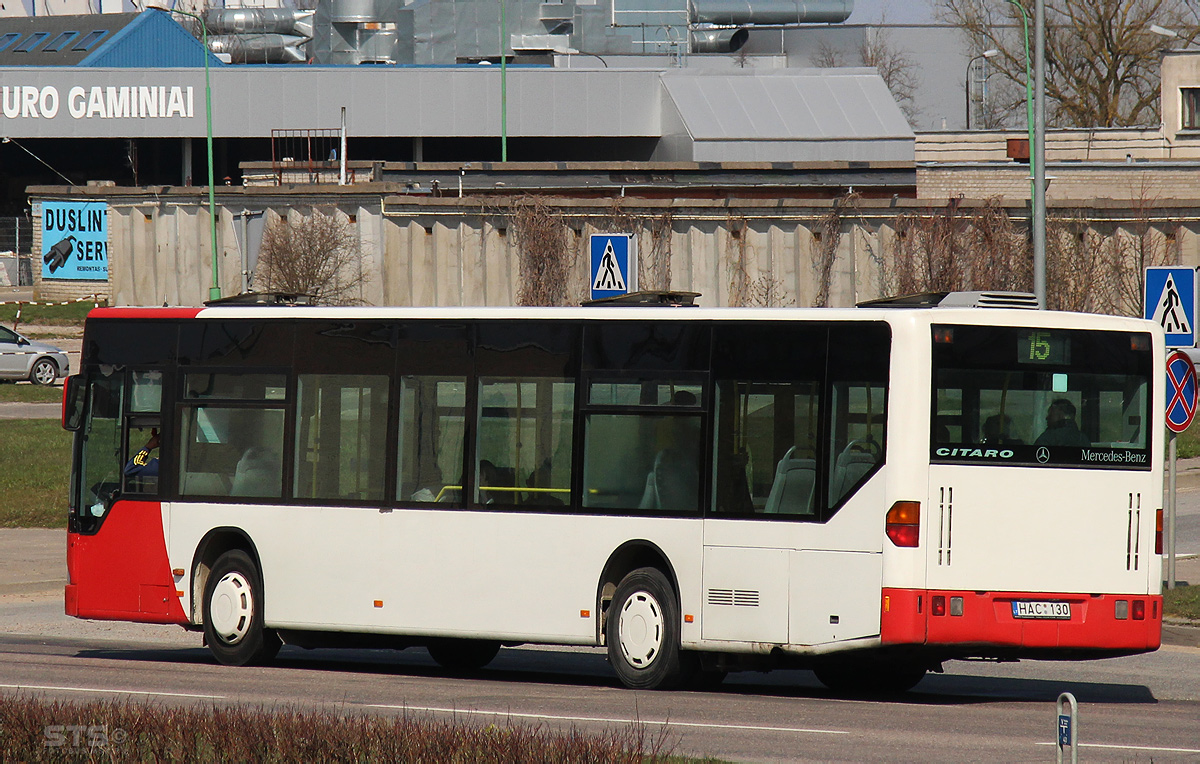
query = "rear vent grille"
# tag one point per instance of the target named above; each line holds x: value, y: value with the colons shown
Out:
x: 945, y: 524
x: 1133, y: 532
x: 733, y: 597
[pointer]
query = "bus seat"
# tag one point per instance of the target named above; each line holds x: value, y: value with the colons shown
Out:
x: 791, y: 493
x: 258, y: 473
x: 850, y: 467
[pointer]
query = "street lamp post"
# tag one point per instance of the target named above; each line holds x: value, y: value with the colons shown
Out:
x: 503, y: 81
x: 981, y: 57
x: 1037, y: 185
x: 214, y: 292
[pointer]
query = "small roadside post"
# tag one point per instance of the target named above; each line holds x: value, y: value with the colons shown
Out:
x: 1068, y: 728
x: 1170, y: 301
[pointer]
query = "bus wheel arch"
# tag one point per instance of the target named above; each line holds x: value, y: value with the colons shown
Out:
x: 625, y: 559
x: 215, y: 543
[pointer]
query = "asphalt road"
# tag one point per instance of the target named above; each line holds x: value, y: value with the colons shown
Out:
x: 1139, y: 708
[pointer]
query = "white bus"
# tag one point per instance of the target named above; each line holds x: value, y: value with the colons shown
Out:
x: 864, y: 492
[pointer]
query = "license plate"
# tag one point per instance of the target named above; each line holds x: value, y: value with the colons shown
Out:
x: 1053, y: 610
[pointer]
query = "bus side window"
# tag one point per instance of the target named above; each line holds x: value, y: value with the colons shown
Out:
x: 432, y: 422
x: 341, y: 436
x: 143, y: 425
x: 523, y: 453
x: 766, y: 447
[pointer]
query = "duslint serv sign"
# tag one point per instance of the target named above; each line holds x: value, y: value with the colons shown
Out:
x: 75, y: 241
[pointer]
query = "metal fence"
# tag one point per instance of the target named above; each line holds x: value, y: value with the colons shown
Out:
x: 16, y: 257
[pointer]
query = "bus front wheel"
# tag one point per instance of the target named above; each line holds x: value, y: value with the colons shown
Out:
x: 233, y: 612
x: 642, y: 632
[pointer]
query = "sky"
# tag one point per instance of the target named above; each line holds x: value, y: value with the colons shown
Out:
x: 898, y: 11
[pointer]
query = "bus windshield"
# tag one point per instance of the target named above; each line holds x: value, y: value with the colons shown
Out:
x: 1036, y: 396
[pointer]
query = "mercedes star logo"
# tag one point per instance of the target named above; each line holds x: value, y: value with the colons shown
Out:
x: 1043, y: 454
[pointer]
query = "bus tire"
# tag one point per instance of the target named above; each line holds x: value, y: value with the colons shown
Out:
x: 869, y: 676
x: 642, y: 632
x: 233, y: 613
x: 463, y: 654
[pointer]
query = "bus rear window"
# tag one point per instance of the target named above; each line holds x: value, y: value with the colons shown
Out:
x: 1036, y: 396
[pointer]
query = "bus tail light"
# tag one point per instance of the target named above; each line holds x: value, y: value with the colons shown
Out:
x: 1138, y: 610
x: 937, y: 605
x: 1158, y: 532
x: 904, y: 523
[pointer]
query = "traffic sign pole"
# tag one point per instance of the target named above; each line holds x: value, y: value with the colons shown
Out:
x: 1170, y: 540
x: 1183, y: 394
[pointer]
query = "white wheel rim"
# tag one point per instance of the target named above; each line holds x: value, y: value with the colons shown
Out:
x: 641, y: 629
x: 231, y: 608
x: 44, y: 373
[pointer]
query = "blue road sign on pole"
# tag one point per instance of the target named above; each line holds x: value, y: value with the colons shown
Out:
x: 1170, y: 302
x: 614, y: 265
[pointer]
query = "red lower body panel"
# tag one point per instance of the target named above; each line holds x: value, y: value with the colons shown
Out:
x: 1106, y: 622
x: 122, y: 573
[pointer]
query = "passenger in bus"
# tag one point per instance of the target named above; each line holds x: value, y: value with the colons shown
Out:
x: 998, y: 429
x: 1061, y: 429
x: 144, y: 464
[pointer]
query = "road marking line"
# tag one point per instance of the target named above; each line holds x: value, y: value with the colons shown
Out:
x: 744, y: 727
x: 119, y: 692
x: 1133, y: 747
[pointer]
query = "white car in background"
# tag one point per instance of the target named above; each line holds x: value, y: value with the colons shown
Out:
x: 22, y: 358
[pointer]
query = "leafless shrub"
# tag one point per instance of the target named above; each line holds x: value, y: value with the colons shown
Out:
x: 826, y: 238
x: 541, y: 236
x: 128, y: 732
x: 947, y: 250
x: 318, y: 255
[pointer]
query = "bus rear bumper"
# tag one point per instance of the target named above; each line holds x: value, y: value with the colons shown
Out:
x: 986, y: 623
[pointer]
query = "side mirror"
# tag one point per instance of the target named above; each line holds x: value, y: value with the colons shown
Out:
x: 72, y: 405
x: 21, y: 341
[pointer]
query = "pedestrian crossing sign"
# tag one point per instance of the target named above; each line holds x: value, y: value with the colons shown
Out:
x: 614, y: 265
x: 1171, y: 303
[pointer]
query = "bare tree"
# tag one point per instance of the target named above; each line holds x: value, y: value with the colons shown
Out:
x: 877, y: 50
x: 318, y: 255
x: 1102, y: 60
x: 894, y: 66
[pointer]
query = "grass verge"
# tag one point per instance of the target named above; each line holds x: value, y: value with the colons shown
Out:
x: 1182, y: 602
x: 71, y: 314
x: 40, y: 730
x: 27, y: 393
x: 35, y: 465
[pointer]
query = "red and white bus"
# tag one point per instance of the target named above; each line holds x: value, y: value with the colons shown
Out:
x: 865, y: 492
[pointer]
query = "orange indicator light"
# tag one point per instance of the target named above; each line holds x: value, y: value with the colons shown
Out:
x: 378, y: 603
x: 585, y: 614
x: 178, y: 593
x: 689, y: 619
x: 177, y: 572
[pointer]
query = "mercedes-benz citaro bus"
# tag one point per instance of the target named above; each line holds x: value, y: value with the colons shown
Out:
x: 864, y: 492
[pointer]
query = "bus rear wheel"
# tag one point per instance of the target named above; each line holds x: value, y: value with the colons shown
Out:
x: 642, y: 632
x: 233, y: 613
x: 463, y: 654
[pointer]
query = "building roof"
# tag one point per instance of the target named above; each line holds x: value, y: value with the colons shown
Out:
x: 108, y: 40
x: 797, y: 114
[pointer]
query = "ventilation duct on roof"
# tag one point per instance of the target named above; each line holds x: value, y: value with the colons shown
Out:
x: 260, y: 48
x: 260, y: 21
x: 771, y: 11
x: 728, y: 40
